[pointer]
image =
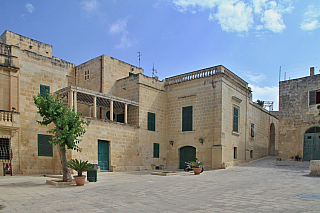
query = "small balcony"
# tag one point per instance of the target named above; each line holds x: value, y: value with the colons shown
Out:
x: 9, y: 120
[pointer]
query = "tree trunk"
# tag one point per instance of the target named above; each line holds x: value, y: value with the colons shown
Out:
x: 65, y: 169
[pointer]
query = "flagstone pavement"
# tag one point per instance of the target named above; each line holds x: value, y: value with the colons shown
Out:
x: 264, y: 185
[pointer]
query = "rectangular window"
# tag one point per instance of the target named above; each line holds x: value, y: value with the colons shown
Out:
x: 5, y: 149
x: 235, y: 119
x: 44, y: 147
x: 314, y: 97
x: 131, y: 73
x: 252, y: 130
x: 86, y: 75
x: 235, y: 154
x: 187, y: 118
x: 251, y: 153
x: 120, y: 118
x: 156, y: 150
x: 151, y: 121
x: 44, y: 89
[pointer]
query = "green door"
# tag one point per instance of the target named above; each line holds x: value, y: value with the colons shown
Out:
x: 187, y: 153
x: 103, y: 155
x: 311, y: 146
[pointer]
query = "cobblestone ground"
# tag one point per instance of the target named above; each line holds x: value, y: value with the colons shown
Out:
x: 264, y: 185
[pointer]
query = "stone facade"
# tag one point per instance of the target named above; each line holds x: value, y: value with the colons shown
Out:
x: 105, y: 88
x: 297, y: 114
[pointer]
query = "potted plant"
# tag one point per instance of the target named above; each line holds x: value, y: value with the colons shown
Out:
x: 196, y: 166
x: 79, y: 166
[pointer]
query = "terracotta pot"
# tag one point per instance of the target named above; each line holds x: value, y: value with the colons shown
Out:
x: 197, y: 171
x: 80, y: 180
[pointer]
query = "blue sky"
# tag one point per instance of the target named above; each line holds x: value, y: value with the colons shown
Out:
x: 252, y: 38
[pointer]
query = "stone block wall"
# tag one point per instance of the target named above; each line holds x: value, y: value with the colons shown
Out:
x: 125, y: 148
x: 25, y: 43
x: 205, y: 101
x: 35, y: 70
x: 295, y: 114
x: 261, y: 143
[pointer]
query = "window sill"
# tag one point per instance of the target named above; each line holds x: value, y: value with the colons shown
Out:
x: 236, y: 133
x: 187, y: 131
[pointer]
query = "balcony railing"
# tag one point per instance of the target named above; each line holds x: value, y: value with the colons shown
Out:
x: 9, y: 119
x: 193, y: 75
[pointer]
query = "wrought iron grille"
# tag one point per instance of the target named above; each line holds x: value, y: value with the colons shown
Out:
x: 5, y: 151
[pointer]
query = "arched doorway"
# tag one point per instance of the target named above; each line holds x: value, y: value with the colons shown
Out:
x: 272, y: 140
x: 187, y: 153
x: 311, y: 145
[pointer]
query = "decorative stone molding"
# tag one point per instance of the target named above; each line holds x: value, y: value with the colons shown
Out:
x: 236, y: 99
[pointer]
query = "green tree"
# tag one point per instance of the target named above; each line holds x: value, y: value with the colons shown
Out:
x: 68, y: 126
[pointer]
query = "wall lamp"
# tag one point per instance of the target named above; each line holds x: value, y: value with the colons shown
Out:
x: 201, y: 140
x: 171, y: 142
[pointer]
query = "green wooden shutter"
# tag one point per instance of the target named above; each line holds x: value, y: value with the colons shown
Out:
x: 44, y: 147
x: 156, y: 150
x: 235, y: 119
x: 151, y: 121
x: 312, y: 97
x: 131, y: 73
x: 187, y: 118
x: 43, y: 89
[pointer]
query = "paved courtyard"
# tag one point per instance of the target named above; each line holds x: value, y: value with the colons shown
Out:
x: 265, y: 185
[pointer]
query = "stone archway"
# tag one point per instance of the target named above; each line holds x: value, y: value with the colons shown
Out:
x: 272, y: 140
x: 311, y: 144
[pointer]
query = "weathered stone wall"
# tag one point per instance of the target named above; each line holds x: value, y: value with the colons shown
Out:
x: 261, y: 144
x: 205, y: 101
x: 25, y: 43
x: 35, y: 70
x: 125, y: 148
x: 233, y: 95
x: 152, y: 99
x: 295, y: 114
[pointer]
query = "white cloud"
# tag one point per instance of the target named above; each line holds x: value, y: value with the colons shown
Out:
x: 30, y: 8
x: 266, y: 94
x: 89, y: 5
x: 234, y: 17
x: 273, y: 21
x: 241, y: 15
x: 310, y: 18
x: 257, y: 78
x: 119, y: 27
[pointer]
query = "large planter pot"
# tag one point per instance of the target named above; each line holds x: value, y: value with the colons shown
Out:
x: 197, y: 171
x: 80, y: 180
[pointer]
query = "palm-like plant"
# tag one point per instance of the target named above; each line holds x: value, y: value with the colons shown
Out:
x: 196, y: 164
x: 80, y: 166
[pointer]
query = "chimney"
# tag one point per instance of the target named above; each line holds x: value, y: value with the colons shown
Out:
x: 311, y: 71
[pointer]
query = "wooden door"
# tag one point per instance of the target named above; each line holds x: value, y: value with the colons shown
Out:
x: 103, y: 155
x: 187, y: 153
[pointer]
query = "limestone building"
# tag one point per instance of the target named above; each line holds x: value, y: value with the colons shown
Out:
x: 135, y: 121
x: 299, y: 118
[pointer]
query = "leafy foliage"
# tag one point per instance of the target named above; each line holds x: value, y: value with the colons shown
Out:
x: 196, y: 164
x: 260, y: 102
x: 68, y: 124
x: 80, y: 166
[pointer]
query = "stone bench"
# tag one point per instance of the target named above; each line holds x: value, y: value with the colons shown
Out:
x: 315, y: 168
